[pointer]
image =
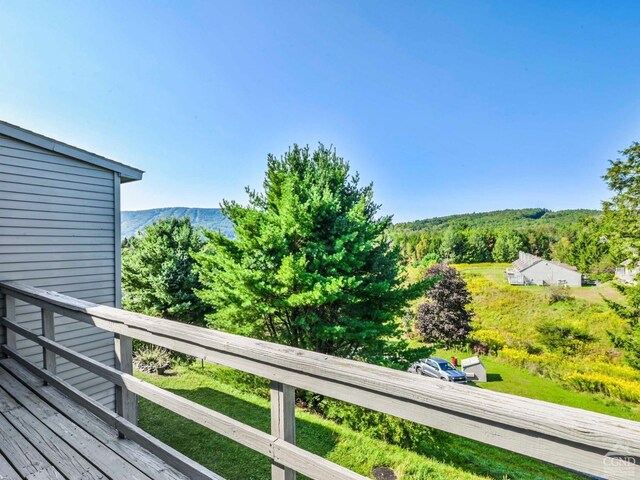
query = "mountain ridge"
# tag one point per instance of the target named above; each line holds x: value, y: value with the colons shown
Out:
x: 134, y: 221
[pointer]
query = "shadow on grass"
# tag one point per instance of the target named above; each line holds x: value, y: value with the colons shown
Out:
x: 216, y: 452
x: 494, y: 377
x: 233, y: 461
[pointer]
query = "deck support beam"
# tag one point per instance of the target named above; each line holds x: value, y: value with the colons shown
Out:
x: 126, y: 402
x: 283, y: 424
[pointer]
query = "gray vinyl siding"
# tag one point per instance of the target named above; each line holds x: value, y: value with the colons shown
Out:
x: 58, y: 232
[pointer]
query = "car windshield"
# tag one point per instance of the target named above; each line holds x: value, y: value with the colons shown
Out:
x: 446, y: 366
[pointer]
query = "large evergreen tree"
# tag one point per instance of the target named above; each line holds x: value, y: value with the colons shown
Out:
x: 311, y: 265
x: 622, y: 212
x: 629, y: 338
x: 622, y: 224
x: 158, y: 276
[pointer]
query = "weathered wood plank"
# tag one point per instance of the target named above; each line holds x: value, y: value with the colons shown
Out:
x: 283, y: 424
x: 52, y: 447
x: 105, y: 459
x: 76, y: 401
x: 26, y: 460
x: 7, y: 472
x: 248, y: 436
x: 92, y: 432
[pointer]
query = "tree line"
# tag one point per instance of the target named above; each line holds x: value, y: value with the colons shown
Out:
x: 590, y: 243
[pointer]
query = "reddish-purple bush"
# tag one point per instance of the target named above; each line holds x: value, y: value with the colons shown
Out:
x: 445, y: 318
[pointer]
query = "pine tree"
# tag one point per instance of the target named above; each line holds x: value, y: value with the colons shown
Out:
x: 311, y: 265
x: 158, y: 276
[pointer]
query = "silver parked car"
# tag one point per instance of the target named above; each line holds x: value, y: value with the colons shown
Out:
x: 439, y: 368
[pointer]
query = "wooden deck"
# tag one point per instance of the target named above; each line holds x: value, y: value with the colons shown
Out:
x: 43, y: 435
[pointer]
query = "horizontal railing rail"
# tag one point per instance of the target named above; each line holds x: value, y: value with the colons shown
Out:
x: 572, y: 438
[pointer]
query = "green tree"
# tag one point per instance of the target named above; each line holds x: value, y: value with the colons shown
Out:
x: 539, y: 243
x: 508, y: 244
x: 629, y: 339
x: 561, y: 251
x: 477, y: 248
x: 452, y: 247
x: 311, y: 265
x: 622, y: 224
x: 590, y: 245
x: 622, y: 212
x: 158, y: 276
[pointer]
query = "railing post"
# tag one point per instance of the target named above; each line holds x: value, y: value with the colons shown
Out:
x: 126, y: 402
x: 283, y: 423
x: 10, y: 314
x: 48, y: 331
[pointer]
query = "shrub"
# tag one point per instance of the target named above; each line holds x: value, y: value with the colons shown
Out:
x: 490, y: 340
x: 566, y: 339
x: 543, y: 364
x: 152, y: 360
x: 445, y: 317
x: 378, y: 425
x: 604, y: 384
x: 559, y: 294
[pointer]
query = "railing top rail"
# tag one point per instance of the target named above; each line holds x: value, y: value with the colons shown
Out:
x: 539, y: 429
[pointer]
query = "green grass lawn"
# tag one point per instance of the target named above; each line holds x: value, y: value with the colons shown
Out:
x: 456, y: 457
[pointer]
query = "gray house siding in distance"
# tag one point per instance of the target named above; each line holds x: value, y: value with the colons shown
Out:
x: 59, y: 230
x: 529, y: 269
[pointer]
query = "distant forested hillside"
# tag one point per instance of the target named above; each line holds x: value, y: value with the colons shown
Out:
x: 209, y: 218
x: 526, y: 217
x: 499, y: 236
x: 471, y: 237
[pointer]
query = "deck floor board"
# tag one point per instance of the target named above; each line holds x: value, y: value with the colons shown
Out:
x: 45, y: 435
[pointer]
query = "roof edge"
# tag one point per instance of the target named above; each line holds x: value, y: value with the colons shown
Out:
x: 127, y: 173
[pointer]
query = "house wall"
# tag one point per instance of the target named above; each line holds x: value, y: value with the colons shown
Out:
x: 58, y: 231
x: 552, y: 274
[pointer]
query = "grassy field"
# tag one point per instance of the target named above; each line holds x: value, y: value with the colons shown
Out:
x: 456, y: 458
x: 495, y: 273
x: 509, y: 317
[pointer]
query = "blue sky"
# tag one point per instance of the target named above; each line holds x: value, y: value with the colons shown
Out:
x: 448, y: 107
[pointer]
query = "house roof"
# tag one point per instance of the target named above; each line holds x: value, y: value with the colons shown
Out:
x: 527, y: 260
x: 127, y: 173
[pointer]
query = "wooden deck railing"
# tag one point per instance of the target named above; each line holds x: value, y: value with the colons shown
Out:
x: 583, y: 441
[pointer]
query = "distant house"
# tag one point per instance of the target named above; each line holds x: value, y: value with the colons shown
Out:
x: 627, y: 273
x: 532, y: 270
